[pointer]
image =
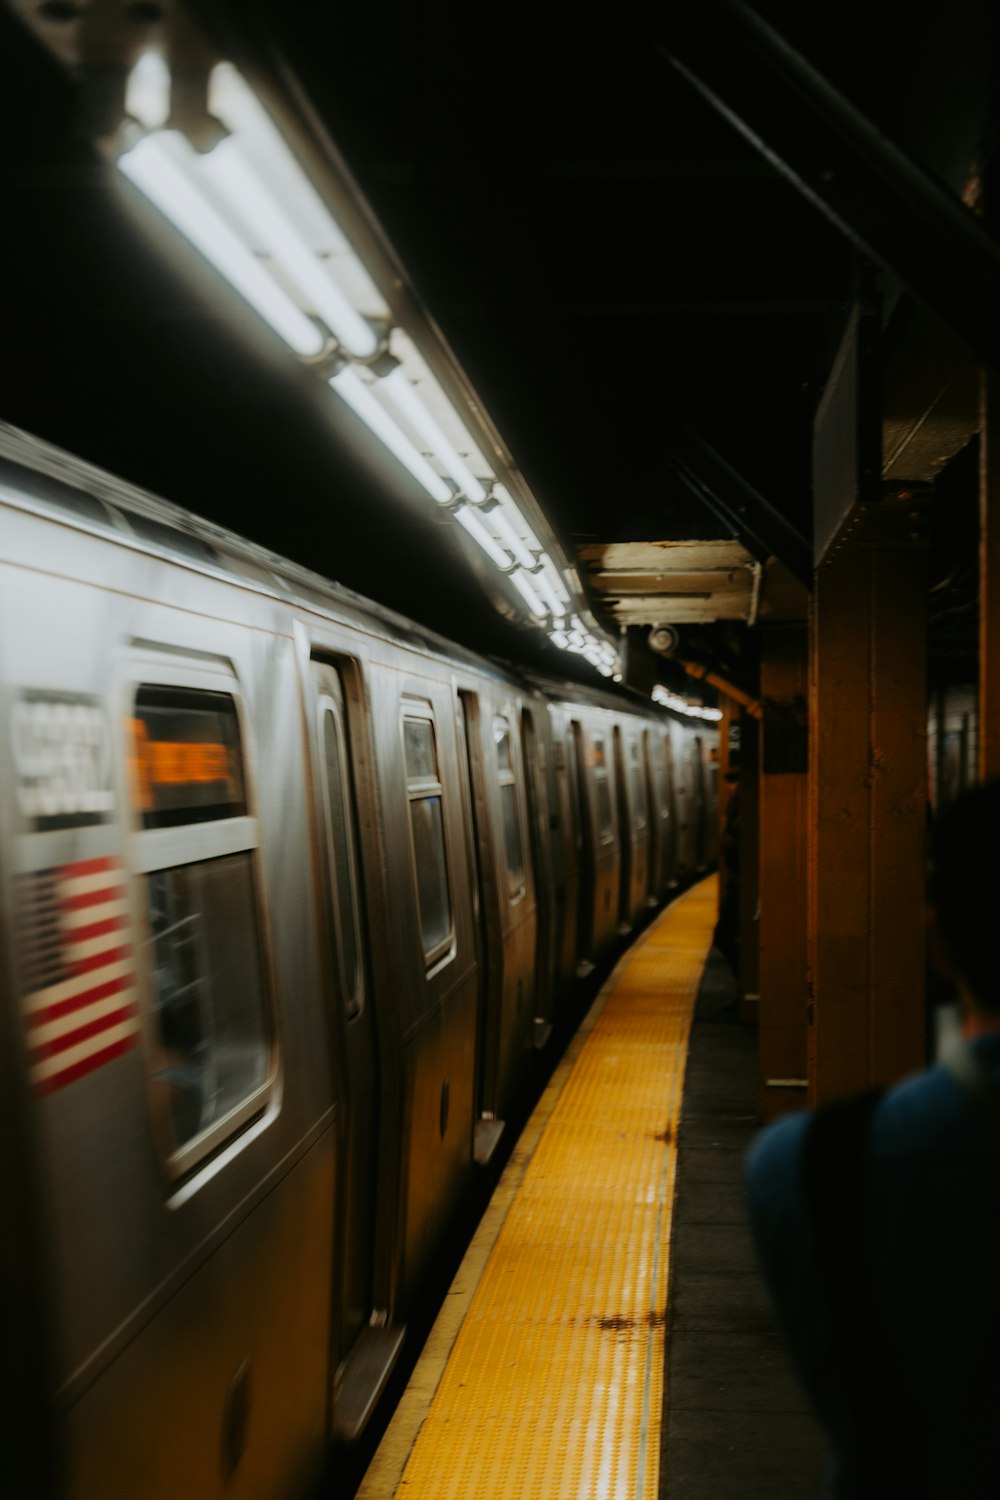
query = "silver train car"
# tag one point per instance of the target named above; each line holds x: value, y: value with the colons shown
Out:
x: 290, y: 890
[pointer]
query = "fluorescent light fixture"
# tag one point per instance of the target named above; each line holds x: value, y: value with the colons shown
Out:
x: 519, y: 579
x: 548, y: 593
x: 530, y: 539
x: 246, y: 196
x: 469, y: 517
x: 680, y: 705
x: 241, y: 112
x: 359, y: 398
x: 163, y: 166
x: 147, y: 92
x: 501, y: 521
x: 400, y: 391
x: 554, y: 576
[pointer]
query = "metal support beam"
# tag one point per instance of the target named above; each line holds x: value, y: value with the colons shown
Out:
x: 872, y: 190
x: 752, y: 519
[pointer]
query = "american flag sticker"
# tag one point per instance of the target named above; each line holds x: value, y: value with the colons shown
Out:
x: 79, y: 982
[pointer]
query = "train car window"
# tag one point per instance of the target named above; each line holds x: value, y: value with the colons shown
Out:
x: 342, y: 856
x: 421, y: 759
x: 637, y: 785
x: 427, y: 827
x: 209, y: 1041
x: 508, y: 803
x: 186, y: 763
x: 602, y: 791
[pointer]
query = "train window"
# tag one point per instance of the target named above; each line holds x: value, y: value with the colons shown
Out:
x: 421, y: 759
x: 209, y: 1040
x: 186, y: 762
x: 638, y: 785
x: 602, y: 791
x: 341, y: 852
x: 508, y: 803
x: 427, y: 827
x: 664, y: 778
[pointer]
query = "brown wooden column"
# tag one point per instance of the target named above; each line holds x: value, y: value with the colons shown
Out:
x: 784, y: 802
x: 868, y: 790
x: 989, y: 576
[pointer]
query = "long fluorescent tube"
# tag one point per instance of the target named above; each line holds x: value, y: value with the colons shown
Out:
x: 548, y: 593
x: 147, y: 92
x: 361, y: 401
x: 406, y: 401
x: 520, y: 581
x: 554, y: 576
x: 498, y: 518
x: 503, y: 494
x: 160, y: 165
x: 248, y: 198
x: 468, y: 517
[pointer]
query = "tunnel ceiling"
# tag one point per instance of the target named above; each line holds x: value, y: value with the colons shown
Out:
x: 647, y: 306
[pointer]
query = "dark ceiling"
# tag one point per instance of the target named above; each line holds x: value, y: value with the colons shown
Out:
x: 611, y: 261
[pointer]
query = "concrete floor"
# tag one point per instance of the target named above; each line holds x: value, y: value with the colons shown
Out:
x: 736, y: 1426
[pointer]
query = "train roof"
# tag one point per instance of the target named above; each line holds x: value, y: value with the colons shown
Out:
x: 36, y: 473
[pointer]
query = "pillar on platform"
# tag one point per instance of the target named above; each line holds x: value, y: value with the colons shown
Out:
x: 784, y: 803
x: 868, y: 799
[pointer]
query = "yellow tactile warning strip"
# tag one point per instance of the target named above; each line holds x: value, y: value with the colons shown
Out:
x: 554, y: 1384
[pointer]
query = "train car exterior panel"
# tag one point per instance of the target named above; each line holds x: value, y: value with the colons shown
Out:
x: 287, y: 887
x: 438, y: 1090
x: 225, y: 1396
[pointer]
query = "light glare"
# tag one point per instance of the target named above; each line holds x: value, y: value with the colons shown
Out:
x: 361, y: 401
x: 247, y: 197
x: 409, y: 405
x: 470, y: 519
x: 161, y: 166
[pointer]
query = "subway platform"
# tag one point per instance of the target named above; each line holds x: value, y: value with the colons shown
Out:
x: 607, y: 1334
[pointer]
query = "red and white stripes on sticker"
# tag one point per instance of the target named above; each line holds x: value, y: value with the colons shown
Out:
x: 79, y: 992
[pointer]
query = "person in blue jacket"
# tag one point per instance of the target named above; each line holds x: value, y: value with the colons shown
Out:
x: 877, y: 1223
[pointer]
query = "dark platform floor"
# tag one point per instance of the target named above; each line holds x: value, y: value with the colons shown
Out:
x: 736, y: 1423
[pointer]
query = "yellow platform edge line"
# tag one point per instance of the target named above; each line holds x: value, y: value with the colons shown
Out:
x: 385, y: 1476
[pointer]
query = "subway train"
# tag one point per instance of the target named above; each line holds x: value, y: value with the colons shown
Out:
x: 291, y: 890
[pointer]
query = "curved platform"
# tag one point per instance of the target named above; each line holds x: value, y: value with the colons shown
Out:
x: 544, y: 1375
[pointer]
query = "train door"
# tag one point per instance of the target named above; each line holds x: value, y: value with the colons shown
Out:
x: 536, y: 785
x: 700, y: 811
x: 583, y: 845
x: 658, y: 824
x: 489, y: 938
x: 624, y: 835
x: 668, y: 811
x: 639, y: 830
x: 350, y: 1005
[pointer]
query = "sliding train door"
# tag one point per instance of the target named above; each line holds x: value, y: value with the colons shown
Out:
x: 489, y: 939
x: 351, y: 1007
